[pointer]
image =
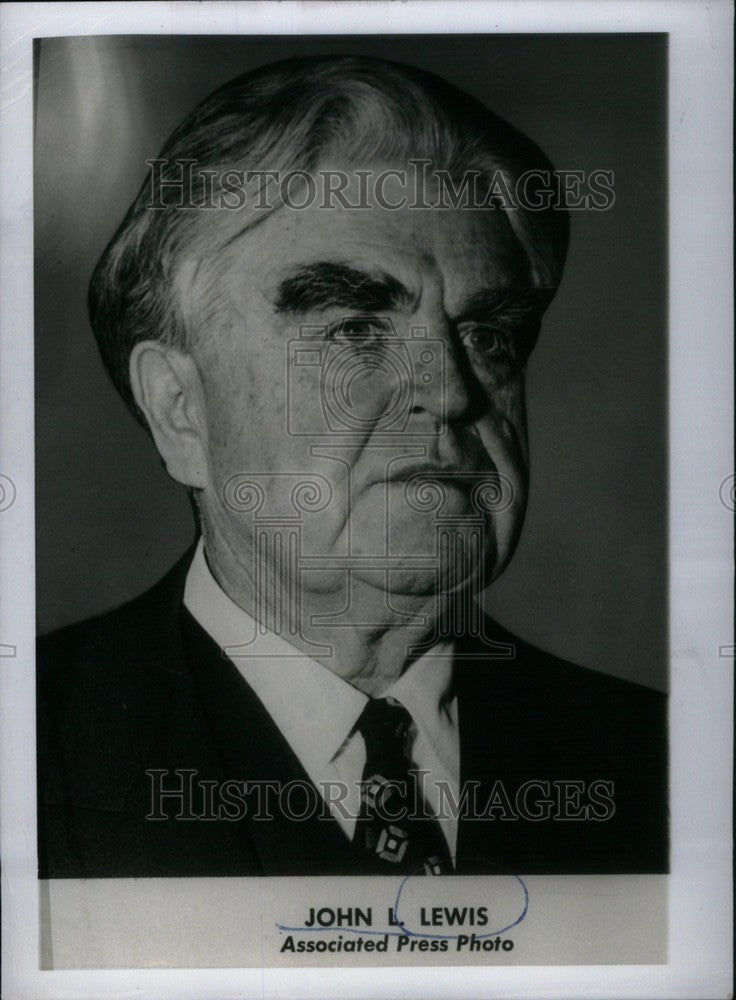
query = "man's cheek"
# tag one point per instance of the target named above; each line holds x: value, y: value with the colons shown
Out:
x: 503, y: 423
x: 231, y: 439
x: 245, y: 412
x: 505, y: 394
x: 334, y: 391
x: 503, y: 433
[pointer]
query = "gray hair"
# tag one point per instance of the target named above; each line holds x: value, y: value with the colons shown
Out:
x: 287, y: 116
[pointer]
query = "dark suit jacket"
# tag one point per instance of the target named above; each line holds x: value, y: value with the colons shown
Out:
x: 144, y: 688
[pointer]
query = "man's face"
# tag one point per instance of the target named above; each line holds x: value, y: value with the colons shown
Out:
x: 372, y: 352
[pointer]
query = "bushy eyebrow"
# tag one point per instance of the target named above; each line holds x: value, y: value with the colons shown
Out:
x: 324, y: 285
x: 515, y: 305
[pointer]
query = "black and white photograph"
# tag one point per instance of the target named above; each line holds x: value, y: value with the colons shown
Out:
x: 355, y: 484
x: 320, y: 308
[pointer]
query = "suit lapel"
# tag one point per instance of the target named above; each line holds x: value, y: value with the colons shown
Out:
x: 493, y: 745
x: 254, y: 750
x: 138, y: 687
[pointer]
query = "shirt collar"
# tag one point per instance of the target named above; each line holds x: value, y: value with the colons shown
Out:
x: 425, y: 688
x: 314, y: 708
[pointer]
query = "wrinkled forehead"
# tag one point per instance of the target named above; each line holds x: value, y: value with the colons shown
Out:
x: 381, y: 224
x: 445, y: 252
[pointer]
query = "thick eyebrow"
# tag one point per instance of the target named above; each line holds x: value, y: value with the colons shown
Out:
x: 517, y: 306
x: 325, y: 285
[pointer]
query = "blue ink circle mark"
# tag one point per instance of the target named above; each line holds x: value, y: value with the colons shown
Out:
x: 408, y: 932
x: 405, y: 931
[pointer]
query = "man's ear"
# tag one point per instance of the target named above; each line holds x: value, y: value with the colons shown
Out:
x: 168, y: 390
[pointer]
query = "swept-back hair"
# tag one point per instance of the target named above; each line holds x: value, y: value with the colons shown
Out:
x: 296, y: 115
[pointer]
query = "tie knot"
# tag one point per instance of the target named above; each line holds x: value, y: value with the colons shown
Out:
x: 383, y: 722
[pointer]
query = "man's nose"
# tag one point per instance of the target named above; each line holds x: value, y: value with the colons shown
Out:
x: 442, y: 381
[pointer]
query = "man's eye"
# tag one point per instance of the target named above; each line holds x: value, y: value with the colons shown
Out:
x: 359, y: 329
x: 485, y: 340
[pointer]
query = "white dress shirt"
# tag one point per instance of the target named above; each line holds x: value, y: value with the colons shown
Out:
x: 316, y: 711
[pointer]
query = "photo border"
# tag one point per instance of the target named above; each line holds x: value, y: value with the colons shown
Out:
x: 701, y: 493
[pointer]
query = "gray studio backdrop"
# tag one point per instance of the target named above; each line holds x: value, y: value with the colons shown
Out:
x: 589, y: 580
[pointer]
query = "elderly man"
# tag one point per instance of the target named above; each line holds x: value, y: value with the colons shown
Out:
x: 321, y: 305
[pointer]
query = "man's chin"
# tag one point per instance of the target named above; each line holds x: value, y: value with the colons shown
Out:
x: 418, y: 554
x: 408, y: 581
x: 416, y: 577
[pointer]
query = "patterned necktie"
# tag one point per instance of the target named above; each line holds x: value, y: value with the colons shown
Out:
x: 394, y: 832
